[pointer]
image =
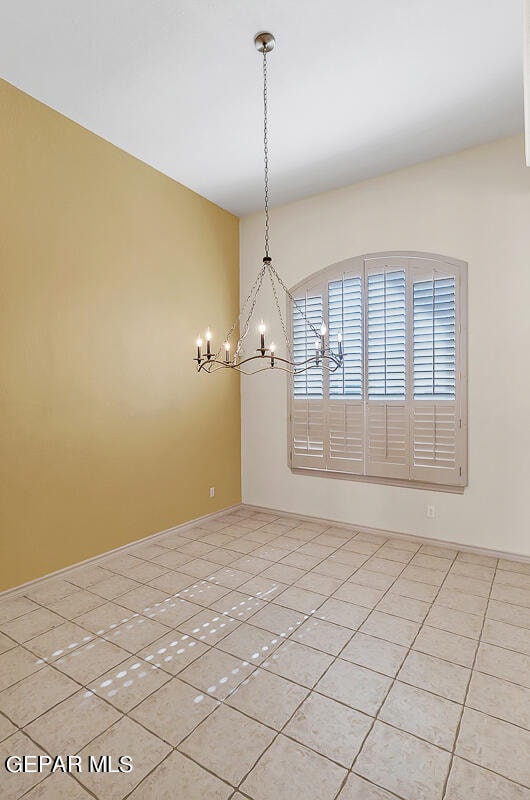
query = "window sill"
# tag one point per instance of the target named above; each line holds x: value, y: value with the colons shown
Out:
x: 402, y: 483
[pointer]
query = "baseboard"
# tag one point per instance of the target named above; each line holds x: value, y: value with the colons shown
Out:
x: 15, y: 590
x: 481, y: 551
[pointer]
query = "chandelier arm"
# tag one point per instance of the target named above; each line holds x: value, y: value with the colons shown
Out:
x: 294, y: 302
x: 253, y: 292
x: 251, y: 311
x: 284, y: 328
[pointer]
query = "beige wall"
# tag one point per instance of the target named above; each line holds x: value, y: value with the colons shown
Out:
x: 107, y: 271
x: 473, y: 206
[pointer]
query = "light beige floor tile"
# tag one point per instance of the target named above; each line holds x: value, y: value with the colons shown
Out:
x: 291, y: 771
x: 16, y: 664
x: 148, y: 551
x: 238, y: 605
x: 510, y: 636
x: 130, y: 682
x: 414, y: 589
x: 203, y: 568
x: 461, y: 601
x: 300, y: 600
x: 209, y: 626
x: 6, y: 643
x: 496, y: 745
x: 252, y: 564
x: 515, y: 566
x: 142, y: 599
x: 14, y: 784
x: 351, y: 559
x: 146, y: 571
x: 467, y: 780
x: 434, y: 577
x: 509, y: 578
x: 51, y: 590
x: 250, y: 643
x: 376, y: 654
x: 330, y: 728
x: 194, y: 782
x: 298, y: 663
x: 322, y: 635
x: 136, y: 634
x: 356, y: 686
x: 77, y: 603
x: 333, y: 569
x: 173, y: 611
x: 422, y: 559
x: 228, y: 744
x: 58, y: 786
x: 86, y: 663
x: 203, y: 593
x: 361, y: 546
x: 59, y: 641
x: 421, y: 713
x: 264, y: 588
x: 110, y: 588
x: 449, y: 646
x: 499, y: 698
x: 342, y: 613
x: 434, y: 675
x: 440, y: 551
x: 31, y: 697
x: 508, y: 613
x: 375, y: 580
x: 125, y: 737
x: 283, y: 573
x: 70, y: 725
x: 503, y: 663
x: 279, y: 620
x: 399, y: 547
x: 360, y: 595
x: 399, y: 762
x: 121, y: 563
x: 15, y: 607
x: 195, y: 548
x: 171, y: 581
x: 173, y: 652
x: 384, y: 565
x: 459, y: 622
x: 393, y: 629
x: 6, y: 728
x: 171, y: 559
x: 173, y: 711
x: 472, y: 571
x: 463, y: 583
x: 33, y: 624
x: 216, y: 673
x: 229, y: 577
x: 476, y: 558
x: 87, y: 576
x: 356, y: 788
x: 268, y: 698
x: 302, y: 561
x: 405, y: 607
x: 511, y: 594
x: 104, y: 618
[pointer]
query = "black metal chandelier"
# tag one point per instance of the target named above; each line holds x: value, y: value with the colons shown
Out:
x: 267, y: 357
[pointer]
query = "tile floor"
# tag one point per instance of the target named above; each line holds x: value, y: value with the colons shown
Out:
x: 266, y: 657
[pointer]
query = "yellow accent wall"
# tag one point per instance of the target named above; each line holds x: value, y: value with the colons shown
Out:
x: 108, y: 271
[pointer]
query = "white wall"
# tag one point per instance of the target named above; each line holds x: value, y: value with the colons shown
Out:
x: 474, y: 206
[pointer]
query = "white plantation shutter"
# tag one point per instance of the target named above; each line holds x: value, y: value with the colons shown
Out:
x: 396, y: 408
x: 436, y: 419
x: 308, y: 407
x: 387, y: 423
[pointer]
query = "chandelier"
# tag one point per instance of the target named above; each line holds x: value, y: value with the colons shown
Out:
x: 267, y: 356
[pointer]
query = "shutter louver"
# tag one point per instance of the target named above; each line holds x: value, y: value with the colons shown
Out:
x: 345, y: 318
x: 434, y: 338
x: 308, y: 430
x: 386, y: 335
x: 387, y: 435
x: 346, y: 436
x: 435, y: 443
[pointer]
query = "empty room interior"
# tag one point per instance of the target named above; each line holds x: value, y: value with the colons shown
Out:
x: 264, y: 422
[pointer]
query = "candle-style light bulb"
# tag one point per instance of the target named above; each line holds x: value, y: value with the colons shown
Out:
x: 199, y: 345
x: 272, y: 349
x: 227, y: 352
x: 261, y: 329
x: 339, y: 339
x: 317, y: 351
x: 323, y: 329
x: 322, y: 339
x: 208, y: 342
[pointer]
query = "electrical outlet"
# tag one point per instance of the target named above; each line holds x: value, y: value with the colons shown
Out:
x: 430, y: 512
x: 212, y: 492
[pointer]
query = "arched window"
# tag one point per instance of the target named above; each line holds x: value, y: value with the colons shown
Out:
x: 396, y: 411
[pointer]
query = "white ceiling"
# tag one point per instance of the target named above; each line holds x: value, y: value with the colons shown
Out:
x: 357, y: 87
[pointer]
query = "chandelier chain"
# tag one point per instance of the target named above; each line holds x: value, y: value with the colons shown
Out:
x: 266, y: 152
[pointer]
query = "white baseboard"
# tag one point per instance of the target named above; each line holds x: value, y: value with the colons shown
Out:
x: 16, y: 590
x: 481, y: 551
